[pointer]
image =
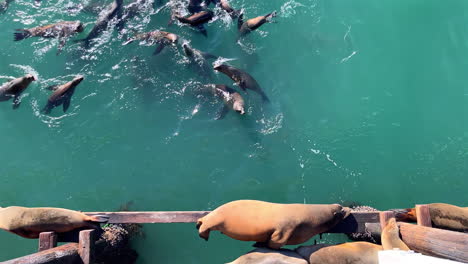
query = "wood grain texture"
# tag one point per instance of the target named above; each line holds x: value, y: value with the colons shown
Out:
x: 47, y: 240
x: 86, y: 246
x: 423, y: 215
x: 152, y: 217
x: 384, y: 217
x: 66, y: 254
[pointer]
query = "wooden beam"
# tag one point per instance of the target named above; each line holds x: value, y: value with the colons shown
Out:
x: 47, y: 240
x: 435, y: 242
x: 384, y: 217
x: 152, y: 217
x: 86, y: 246
x: 423, y: 215
x: 65, y: 254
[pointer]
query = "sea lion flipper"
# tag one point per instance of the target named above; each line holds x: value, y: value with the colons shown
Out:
x: 222, y: 113
x: 240, y: 20
x: 202, y: 30
x: 159, y: 48
x: 16, y: 102
x: 66, y: 104
x: 22, y: 34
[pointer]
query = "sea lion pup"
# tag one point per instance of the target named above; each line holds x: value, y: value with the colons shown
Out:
x: 274, y: 224
x: 62, y: 95
x: 14, y: 88
x: 391, y: 237
x: 197, y: 20
x: 162, y: 38
x: 269, y: 256
x: 115, y: 10
x: 231, y: 98
x: 242, y: 78
x: 444, y: 216
x: 62, y: 31
x: 253, y: 23
x: 29, y: 222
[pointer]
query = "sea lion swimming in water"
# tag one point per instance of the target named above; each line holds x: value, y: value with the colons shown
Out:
x: 253, y: 23
x: 115, y: 10
x: 130, y: 11
x: 274, y: 224
x: 162, y: 38
x: 62, y: 95
x: 444, y: 216
x: 197, y: 20
x: 231, y: 98
x: 199, y: 60
x: 14, y: 88
x: 242, y: 78
x: 269, y: 256
x: 62, y: 31
x: 30, y: 222
x: 224, y: 5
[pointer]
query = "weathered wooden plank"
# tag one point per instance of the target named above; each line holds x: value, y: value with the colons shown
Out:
x: 423, y: 215
x: 86, y: 246
x: 384, y: 217
x: 47, y: 240
x: 152, y: 217
x: 355, y: 222
x: 435, y: 242
x: 66, y: 254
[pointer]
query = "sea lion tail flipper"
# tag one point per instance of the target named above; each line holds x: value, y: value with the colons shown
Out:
x: 66, y: 104
x: 202, y: 30
x: 24, y: 33
x: 16, y: 102
x: 98, y: 218
x: 222, y: 113
x: 265, y: 98
x: 159, y: 48
x: 208, y: 55
x: 240, y: 20
x: 128, y: 41
x: 46, y: 110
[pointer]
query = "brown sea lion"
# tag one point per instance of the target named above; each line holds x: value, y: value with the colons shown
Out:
x: 62, y: 95
x: 346, y: 253
x: 224, y: 5
x: 114, y: 10
x: 269, y: 256
x: 231, y: 98
x: 391, y: 237
x: 29, y: 222
x: 162, y: 38
x: 444, y: 216
x: 242, y: 78
x: 253, y: 23
x: 197, y: 20
x: 14, y: 88
x: 274, y: 224
x: 62, y: 31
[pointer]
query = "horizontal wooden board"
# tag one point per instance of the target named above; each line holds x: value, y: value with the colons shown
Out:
x: 65, y: 254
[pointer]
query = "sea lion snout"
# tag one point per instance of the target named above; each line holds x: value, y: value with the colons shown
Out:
x: 30, y: 77
x: 78, y: 79
x: 173, y: 38
x: 79, y: 27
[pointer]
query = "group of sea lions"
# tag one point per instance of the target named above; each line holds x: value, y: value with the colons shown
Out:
x: 271, y: 225
x: 61, y: 94
x: 199, y: 15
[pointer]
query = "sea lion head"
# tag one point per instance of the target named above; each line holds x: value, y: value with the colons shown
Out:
x: 78, y: 79
x: 187, y: 50
x: 238, y: 106
x: 406, y: 215
x: 30, y: 77
x: 79, y: 27
x: 172, y: 37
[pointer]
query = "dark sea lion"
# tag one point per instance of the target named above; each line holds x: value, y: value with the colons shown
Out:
x: 346, y: 253
x: 62, y: 95
x: 195, y: 6
x: 115, y: 10
x: 253, y: 23
x: 130, y: 11
x: 444, y: 216
x: 274, y: 224
x: 162, y: 38
x: 242, y: 78
x: 269, y: 256
x: 197, y: 20
x: 199, y: 60
x: 29, y: 222
x: 14, y: 88
x: 62, y: 31
x: 391, y: 237
x: 231, y: 98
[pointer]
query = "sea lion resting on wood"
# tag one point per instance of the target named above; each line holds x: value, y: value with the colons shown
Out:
x: 444, y: 216
x: 13, y: 89
x: 30, y: 222
x: 274, y: 224
x: 269, y: 256
x: 62, y: 31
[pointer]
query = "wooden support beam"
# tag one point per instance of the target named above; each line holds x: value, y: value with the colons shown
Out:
x: 435, y: 242
x: 86, y: 246
x: 47, y: 240
x: 384, y: 217
x: 152, y: 217
x: 423, y: 215
x: 65, y: 254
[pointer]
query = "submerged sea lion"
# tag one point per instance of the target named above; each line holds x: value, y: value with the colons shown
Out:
x: 253, y: 23
x: 444, y: 216
x: 274, y: 224
x: 4, y: 5
x: 130, y: 11
x: 242, y: 78
x: 199, y: 60
x: 269, y: 256
x: 62, y: 95
x: 231, y: 98
x: 115, y: 10
x: 62, y: 31
x: 197, y: 20
x: 162, y: 38
x: 14, y: 88
x: 29, y: 222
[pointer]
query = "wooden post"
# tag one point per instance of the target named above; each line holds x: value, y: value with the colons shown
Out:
x: 67, y: 253
x: 47, y: 240
x: 86, y: 246
x: 423, y: 215
x: 384, y: 217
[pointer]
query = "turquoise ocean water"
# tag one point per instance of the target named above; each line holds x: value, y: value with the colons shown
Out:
x: 369, y: 103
